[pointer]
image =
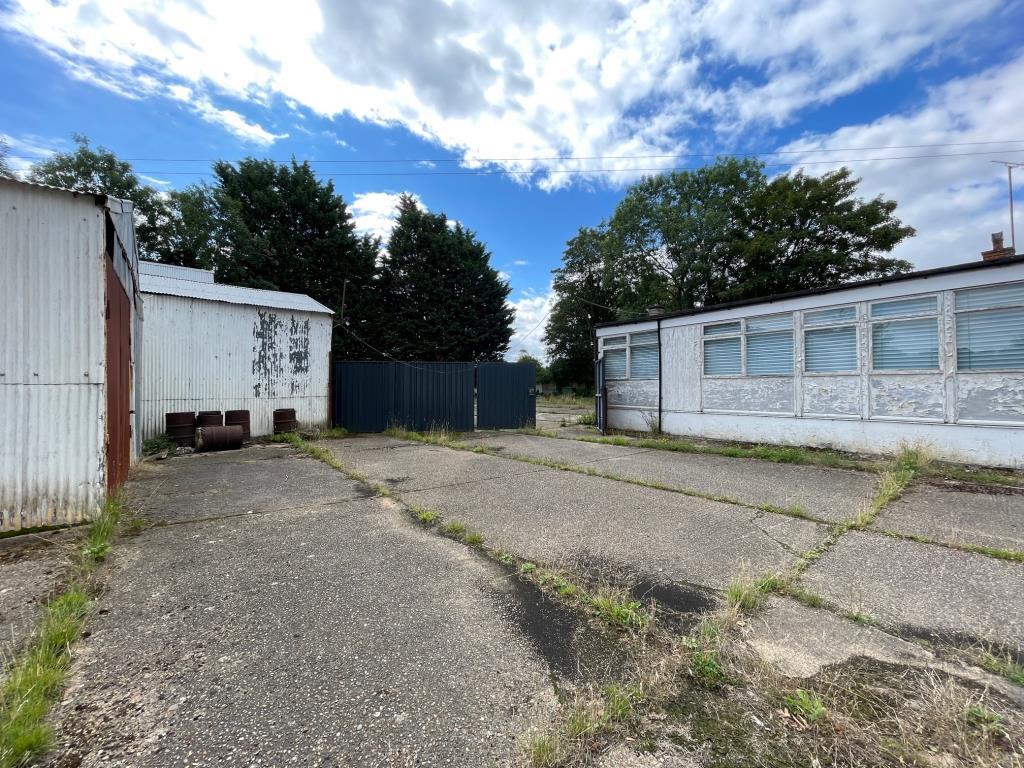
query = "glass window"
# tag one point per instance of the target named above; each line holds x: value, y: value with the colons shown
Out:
x: 769, y: 349
x: 647, y: 337
x: 830, y: 316
x: 615, y: 341
x: 991, y: 296
x: 920, y: 305
x: 722, y: 328
x: 722, y: 357
x: 828, y: 350
x: 643, y: 362
x: 907, y: 345
x: 615, y: 363
x: 993, y: 340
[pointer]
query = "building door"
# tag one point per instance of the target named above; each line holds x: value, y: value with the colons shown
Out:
x: 119, y: 372
x: 506, y: 395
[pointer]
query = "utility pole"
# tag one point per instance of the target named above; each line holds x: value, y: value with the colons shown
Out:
x: 1009, y: 180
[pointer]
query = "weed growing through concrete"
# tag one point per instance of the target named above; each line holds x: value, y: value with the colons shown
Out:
x: 999, y: 553
x: 473, y: 539
x: 425, y: 516
x: 157, y: 444
x: 805, y: 704
x: 745, y: 594
x: 454, y: 528
x: 1002, y: 663
x: 37, y: 674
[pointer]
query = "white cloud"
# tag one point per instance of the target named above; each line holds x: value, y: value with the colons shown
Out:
x: 520, y: 262
x: 375, y: 212
x: 532, y: 310
x: 27, y: 149
x: 515, y: 80
x: 953, y: 202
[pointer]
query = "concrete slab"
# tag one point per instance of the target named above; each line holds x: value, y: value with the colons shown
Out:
x: 319, y: 635
x: 923, y: 588
x: 260, y: 478
x: 985, y: 517
x: 416, y: 466
x: 557, y: 517
x: 828, y: 494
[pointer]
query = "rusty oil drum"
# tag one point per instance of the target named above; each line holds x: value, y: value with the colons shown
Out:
x: 210, y: 419
x: 238, y: 418
x: 284, y: 420
x: 219, y: 438
x: 181, y: 428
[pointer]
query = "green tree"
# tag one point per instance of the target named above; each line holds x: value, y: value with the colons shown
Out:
x: 99, y: 171
x: 543, y: 374
x: 583, y: 298
x: 5, y: 150
x: 279, y: 227
x: 191, y: 235
x: 443, y: 300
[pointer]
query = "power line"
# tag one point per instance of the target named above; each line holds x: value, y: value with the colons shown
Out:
x: 653, y: 169
x: 392, y: 358
x: 398, y: 161
x: 524, y: 338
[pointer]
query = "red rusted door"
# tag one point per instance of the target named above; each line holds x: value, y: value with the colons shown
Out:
x: 119, y: 372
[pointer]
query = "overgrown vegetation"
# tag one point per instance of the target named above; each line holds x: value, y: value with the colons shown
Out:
x: 157, y: 444
x: 36, y: 675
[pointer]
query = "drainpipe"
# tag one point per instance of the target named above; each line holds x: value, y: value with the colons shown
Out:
x: 660, y: 427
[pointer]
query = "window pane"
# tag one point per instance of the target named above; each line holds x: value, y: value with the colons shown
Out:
x: 615, y: 341
x: 647, y: 337
x: 770, y: 353
x: 718, y: 330
x: 722, y: 357
x: 644, y: 362
x: 615, y: 364
x: 990, y: 340
x: 920, y: 306
x: 906, y: 346
x: 831, y: 349
x: 991, y: 296
x: 770, y: 323
x: 827, y: 316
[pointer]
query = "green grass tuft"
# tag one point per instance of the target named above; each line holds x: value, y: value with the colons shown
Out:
x: 454, y: 529
x: 157, y: 444
x: 619, y: 611
x: 805, y: 704
x: 746, y: 594
x: 473, y: 539
x: 425, y: 516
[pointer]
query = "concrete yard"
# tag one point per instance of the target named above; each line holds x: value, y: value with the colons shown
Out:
x: 275, y: 612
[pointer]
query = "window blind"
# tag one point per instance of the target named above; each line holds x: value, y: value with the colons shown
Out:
x: 922, y: 305
x: 907, y: 345
x: 829, y: 316
x: 769, y: 353
x: 615, y: 363
x: 722, y: 357
x: 721, y: 328
x: 992, y: 340
x: 991, y: 296
x: 830, y: 349
x: 643, y: 363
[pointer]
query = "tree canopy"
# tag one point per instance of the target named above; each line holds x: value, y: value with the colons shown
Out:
x: 720, y: 233
x: 441, y: 298
x: 100, y: 171
x: 5, y: 167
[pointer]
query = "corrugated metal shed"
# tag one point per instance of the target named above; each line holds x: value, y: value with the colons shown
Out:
x: 221, y: 347
x: 229, y: 294
x: 53, y: 356
x: 171, y: 270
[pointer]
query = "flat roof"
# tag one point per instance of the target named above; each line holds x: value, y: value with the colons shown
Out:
x: 919, y: 274
x: 230, y: 294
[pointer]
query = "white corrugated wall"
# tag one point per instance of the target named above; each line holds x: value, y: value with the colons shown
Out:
x: 52, y: 357
x: 211, y: 355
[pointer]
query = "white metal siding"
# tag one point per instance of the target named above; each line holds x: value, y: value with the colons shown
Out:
x: 53, y: 356
x: 211, y: 355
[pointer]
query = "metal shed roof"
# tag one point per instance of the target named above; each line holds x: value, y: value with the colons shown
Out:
x: 172, y: 270
x: 231, y: 294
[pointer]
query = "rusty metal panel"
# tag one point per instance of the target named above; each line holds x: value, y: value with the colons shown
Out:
x: 119, y: 380
x: 214, y: 355
x: 52, y: 359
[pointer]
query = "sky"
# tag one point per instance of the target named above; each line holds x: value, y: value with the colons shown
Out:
x: 527, y: 120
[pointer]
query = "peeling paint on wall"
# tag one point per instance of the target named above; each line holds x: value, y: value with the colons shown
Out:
x: 298, y: 352
x: 991, y: 397
x: 832, y: 395
x: 765, y: 395
x: 644, y: 392
x: 267, y: 357
x: 908, y: 396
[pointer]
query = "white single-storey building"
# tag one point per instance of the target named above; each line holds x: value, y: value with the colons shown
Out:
x: 220, y: 347
x: 935, y: 357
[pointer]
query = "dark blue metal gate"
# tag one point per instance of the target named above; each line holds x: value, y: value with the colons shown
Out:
x: 371, y: 396
x: 506, y: 395
x: 600, y: 397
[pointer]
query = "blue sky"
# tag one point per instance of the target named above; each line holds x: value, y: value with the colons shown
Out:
x: 515, y: 90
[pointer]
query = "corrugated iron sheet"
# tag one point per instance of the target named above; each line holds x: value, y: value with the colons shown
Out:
x: 52, y: 397
x: 211, y: 355
x: 179, y: 273
x: 230, y: 294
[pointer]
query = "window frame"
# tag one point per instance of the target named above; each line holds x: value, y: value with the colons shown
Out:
x: 935, y: 315
x: 957, y: 312
x: 855, y: 323
x: 656, y: 343
x: 738, y: 333
x: 792, y: 339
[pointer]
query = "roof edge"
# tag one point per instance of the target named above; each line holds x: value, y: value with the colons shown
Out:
x: 923, y: 273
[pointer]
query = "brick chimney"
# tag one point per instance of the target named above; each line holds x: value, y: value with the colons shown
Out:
x: 998, y: 251
x: 655, y: 309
